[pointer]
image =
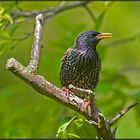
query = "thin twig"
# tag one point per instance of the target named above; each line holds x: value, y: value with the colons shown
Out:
x: 34, y: 61
x: 122, y: 113
x: 47, y: 13
x: 21, y: 38
x: 16, y: 39
x: 90, y: 13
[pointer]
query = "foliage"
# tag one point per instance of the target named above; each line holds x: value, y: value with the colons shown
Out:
x: 24, y: 114
x: 76, y: 128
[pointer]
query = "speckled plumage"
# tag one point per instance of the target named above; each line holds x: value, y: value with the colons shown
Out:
x: 81, y: 64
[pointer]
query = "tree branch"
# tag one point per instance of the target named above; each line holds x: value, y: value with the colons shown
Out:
x: 34, y: 61
x: 90, y: 13
x: 121, y: 114
x: 40, y: 84
x: 47, y: 13
x: 46, y: 88
x: 90, y: 98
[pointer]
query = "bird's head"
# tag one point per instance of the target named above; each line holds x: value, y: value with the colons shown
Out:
x: 90, y: 39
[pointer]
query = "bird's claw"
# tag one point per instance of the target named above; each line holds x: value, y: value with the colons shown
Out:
x: 67, y: 91
x: 87, y: 104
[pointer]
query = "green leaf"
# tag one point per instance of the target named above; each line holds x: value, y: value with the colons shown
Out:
x: 62, y: 131
x: 76, y: 128
x: 79, y: 122
x: 66, y: 134
x: 71, y: 135
x: 8, y: 17
x: 62, y: 134
x: 83, y: 129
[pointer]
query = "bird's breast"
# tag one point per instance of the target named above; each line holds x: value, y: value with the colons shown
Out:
x: 80, y: 69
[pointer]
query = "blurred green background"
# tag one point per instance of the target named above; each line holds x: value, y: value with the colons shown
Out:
x: 26, y: 114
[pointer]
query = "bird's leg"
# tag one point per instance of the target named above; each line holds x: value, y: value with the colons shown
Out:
x: 78, y: 91
x: 67, y: 91
x: 85, y: 94
x: 89, y: 98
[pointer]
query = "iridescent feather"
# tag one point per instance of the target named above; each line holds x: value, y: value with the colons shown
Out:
x: 81, y: 64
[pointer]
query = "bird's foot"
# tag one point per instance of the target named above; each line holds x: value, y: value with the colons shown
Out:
x: 67, y: 91
x: 80, y: 92
x: 87, y: 104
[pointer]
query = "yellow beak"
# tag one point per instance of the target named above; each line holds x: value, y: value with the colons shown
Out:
x: 104, y: 35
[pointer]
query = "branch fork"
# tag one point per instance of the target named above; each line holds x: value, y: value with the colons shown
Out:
x: 44, y: 87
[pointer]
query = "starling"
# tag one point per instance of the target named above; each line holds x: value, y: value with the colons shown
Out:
x: 81, y: 64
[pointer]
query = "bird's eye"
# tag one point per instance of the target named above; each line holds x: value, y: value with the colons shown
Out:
x: 93, y: 35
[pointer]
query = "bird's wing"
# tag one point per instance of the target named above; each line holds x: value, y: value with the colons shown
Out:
x: 69, y: 69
